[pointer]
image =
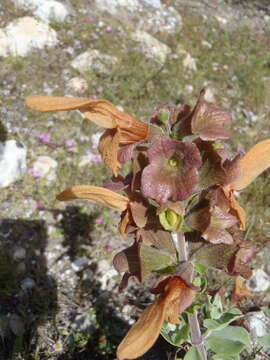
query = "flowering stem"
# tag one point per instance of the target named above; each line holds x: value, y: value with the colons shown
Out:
x: 195, y: 331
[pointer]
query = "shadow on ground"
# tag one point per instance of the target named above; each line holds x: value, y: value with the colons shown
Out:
x: 28, y: 295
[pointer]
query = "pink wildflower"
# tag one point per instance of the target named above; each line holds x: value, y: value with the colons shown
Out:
x: 69, y: 143
x: 89, y: 19
x: 34, y: 172
x: 109, y: 29
x: 99, y: 220
x: 40, y: 206
x: 44, y: 138
x: 96, y: 159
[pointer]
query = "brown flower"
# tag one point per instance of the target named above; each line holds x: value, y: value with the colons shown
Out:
x: 172, y: 173
x: 175, y: 296
x: 256, y: 160
x: 122, y: 129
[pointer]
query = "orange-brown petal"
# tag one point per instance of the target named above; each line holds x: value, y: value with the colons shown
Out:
x: 126, y: 219
x: 253, y: 164
x: 144, y: 332
x: 96, y: 194
x: 235, y: 209
x: 108, y: 148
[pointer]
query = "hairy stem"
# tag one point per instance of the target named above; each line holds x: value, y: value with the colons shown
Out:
x: 195, y: 331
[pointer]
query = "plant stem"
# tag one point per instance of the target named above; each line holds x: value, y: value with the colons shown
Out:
x: 195, y: 331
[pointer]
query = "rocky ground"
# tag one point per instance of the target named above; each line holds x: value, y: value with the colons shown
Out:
x: 58, y: 290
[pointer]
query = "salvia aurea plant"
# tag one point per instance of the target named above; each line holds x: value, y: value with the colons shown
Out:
x: 177, y: 205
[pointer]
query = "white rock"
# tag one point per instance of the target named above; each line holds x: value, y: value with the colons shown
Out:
x: 94, y: 60
x: 189, y: 88
x: 258, y: 324
x: 190, y: 63
x: 95, y: 139
x: 28, y: 283
x: 221, y: 20
x: 12, y: 162
x: 28, y: 4
x: 45, y: 165
x: 209, y: 95
x: 166, y: 19
x: 151, y: 47
x: 154, y: 3
x: 259, y: 281
x: 80, y: 263
x: 112, y: 6
x: 19, y: 253
x: 3, y: 43
x: 52, y: 11
x: 77, y: 84
x: 23, y: 35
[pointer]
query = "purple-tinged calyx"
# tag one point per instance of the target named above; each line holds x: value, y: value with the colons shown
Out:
x: 172, y: 173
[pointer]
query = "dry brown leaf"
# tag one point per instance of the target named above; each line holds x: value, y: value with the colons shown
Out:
x: 253, y: 164
x: 96, y: 194
x: 144, y: 332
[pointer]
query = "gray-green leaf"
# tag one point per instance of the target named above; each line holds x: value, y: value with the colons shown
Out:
x: 229, y: 341
x: 193, y: 354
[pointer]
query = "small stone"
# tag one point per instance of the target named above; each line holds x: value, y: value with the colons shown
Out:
x: 190, y: 63
x: 80, y: 263
x: 81, y: 323
x: 88, y: 275
x: 24, y: 34
x: 52, y: 11
x: 12, y: 162
x: 112, y: 6
x: 259, y: 281
x: 258, y: 324
x: 77, y: 84
x: 45, y: 165
x: 151, y: 47
x: 28, y: 284
x: 95, y: 61
x: 19, y: 253
x: 209, y: 95
x: 28, y: 4
x: 21, y: 267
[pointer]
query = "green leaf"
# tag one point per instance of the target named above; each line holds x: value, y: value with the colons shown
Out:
x: 264, y: 341
x: 200, y: 268
x: 193, y: 307
x: 175, y: 334
x: 218, y: 357
x: 229, y: 341
x: 193, y: 354
x: 223, y: 320
x: 154, y: 259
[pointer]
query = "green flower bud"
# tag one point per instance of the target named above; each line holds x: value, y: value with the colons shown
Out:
x: 170, y: 220
x: 164, y: 116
